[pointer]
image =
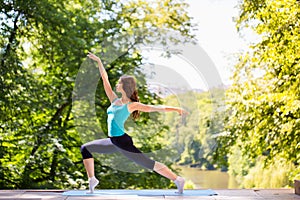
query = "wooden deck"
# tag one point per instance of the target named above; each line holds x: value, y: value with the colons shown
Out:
x: 226, y: 194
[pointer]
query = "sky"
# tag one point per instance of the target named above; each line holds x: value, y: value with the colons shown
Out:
x: 216, y: 35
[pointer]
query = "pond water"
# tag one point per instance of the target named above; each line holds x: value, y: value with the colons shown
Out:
x: 212, y: 179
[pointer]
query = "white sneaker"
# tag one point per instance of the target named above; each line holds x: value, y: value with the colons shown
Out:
x: 93, y: 182
x: 179, y: 182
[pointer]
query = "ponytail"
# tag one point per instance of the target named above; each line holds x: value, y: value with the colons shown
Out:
x: 135, y: 98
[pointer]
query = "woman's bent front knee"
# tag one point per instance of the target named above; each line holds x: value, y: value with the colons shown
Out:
x: 85, y: 152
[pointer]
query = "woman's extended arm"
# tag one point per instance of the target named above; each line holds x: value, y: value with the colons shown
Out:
x: 153, y: 108
x: 107, y: 87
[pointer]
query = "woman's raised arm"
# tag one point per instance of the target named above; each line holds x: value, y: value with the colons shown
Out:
x: 107, y: 87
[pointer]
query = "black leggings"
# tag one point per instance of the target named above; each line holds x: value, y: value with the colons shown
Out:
x: 123, y: 144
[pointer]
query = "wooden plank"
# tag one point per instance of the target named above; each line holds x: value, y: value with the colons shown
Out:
x: 226, y: 194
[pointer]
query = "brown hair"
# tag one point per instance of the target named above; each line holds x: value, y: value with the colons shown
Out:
x: 129, y: 86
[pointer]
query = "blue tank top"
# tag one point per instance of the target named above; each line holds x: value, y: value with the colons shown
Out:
x: 117, y: 115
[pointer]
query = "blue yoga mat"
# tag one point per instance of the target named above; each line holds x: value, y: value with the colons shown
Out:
x: 208, y: 192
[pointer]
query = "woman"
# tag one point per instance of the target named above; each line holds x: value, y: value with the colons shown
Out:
x: 118, y: 140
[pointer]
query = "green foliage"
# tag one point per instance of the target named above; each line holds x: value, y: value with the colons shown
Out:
x: 275, y: 175
x: 250, y: 173
x: 189, y: 185
x: 43, y: 44
x: 195, y: 138
x: 264, y: 108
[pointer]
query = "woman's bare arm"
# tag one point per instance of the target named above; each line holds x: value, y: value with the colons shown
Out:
x: 155, y: 108
x: 107, y: 87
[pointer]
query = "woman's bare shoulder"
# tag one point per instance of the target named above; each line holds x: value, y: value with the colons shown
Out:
x: 138, y: 106
x: 132, y: 106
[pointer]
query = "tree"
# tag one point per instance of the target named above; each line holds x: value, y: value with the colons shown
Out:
x: 43, y: 45
x: 194, y: 140
x: 263, y: 119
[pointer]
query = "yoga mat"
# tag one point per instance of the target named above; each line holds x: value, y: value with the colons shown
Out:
x: 208, y: 192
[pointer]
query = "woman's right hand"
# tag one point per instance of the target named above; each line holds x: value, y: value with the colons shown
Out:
x: 94, y: 57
